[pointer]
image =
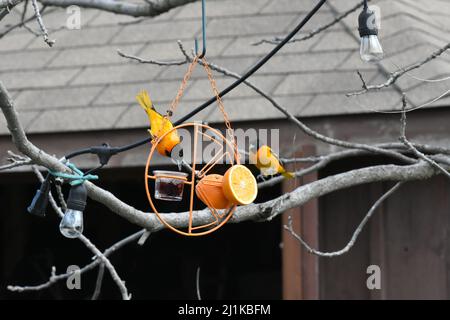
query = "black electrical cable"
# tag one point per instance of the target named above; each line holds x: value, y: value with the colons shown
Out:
x: 109, y: 151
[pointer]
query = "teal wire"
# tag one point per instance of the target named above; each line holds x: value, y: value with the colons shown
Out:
x: 78, y: 178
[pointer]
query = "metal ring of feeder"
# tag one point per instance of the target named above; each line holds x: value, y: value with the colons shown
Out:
x: 219, y: 218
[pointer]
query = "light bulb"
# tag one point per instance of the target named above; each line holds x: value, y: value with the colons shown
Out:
x: 371, y: 50
x: 71, y: 225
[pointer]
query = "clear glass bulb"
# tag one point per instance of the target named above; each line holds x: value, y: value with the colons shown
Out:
x: 71, y: 225
x: 371, y: 50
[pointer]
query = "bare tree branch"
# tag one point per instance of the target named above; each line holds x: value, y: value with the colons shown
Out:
x: 16, y: 161
x: 155, y: 62
x: 197, y: 283
x: 55, y: 278
x: 52, y: 280
x: 9, y: 3
x: 41, y: 24
x: 355, y: 235
x: 316, y: 31
x: 7, y: 6
x: 60, y: 195
x: 394, y: 76
x: 24, y: 22
x: 98, y: 283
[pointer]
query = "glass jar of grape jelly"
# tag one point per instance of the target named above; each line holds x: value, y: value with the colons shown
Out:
x: 169, y: 185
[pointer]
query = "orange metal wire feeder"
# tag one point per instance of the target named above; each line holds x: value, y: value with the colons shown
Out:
x: 207, y: 189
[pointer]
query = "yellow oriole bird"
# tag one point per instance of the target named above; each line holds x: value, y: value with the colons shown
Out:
x: 158, y: 125
x: 268, y: 162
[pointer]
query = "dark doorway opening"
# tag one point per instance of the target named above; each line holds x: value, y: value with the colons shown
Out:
x: 241, y: 261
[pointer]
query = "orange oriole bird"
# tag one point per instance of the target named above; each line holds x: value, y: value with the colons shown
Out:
x: 158, y: 125
x: 268, y: 162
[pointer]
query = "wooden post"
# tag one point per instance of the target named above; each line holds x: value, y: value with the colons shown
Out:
x: 300, y: 268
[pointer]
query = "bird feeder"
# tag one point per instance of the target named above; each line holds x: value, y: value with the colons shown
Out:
x: 198, y: 184
x: 220, y: 194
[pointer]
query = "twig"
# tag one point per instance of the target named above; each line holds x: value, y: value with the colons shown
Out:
x: 325, y: 160
x: 302, y: 159
x: 16, y: 161
x: 60, y: 195
x: 394, y: 76
x: 197, y: 283
x: 313, y: 33
x: 20, y: 24
x: 52, y: 280
x: 355, y: 235
x: 155, y: 62
x: 98, y: 283
x: 320, y: 165
x: 144, y: 237
x: 7, y: 6
x: 41, y: 24
x: 408, y: 144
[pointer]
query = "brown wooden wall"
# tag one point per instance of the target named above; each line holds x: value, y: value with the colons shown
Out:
x: 408, y: 237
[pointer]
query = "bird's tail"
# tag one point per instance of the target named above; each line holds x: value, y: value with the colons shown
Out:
x: 288, y: 175
x: 144, y: 101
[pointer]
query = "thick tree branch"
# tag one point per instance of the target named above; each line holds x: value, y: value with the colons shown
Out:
x: 268, y: 210
x: 263, y: 211
x: 150, y: 8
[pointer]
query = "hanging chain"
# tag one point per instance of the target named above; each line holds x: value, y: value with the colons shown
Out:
x: 183, y: 85
x: 230, y: 131
x: 176, y: 101
x: 180, y: 93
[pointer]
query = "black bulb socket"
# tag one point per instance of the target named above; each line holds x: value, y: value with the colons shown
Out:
x: 39, y: 203
x: 367, y: 23
x: 77, y: 197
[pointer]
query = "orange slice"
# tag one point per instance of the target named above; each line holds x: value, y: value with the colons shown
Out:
x: 239, y: 185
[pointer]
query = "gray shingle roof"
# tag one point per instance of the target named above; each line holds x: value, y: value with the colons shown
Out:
x: 82, y: 84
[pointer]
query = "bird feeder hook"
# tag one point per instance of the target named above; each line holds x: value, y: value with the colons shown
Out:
x: 203, y: 34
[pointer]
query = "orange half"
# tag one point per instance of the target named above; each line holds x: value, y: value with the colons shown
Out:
x: 239, y: 185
